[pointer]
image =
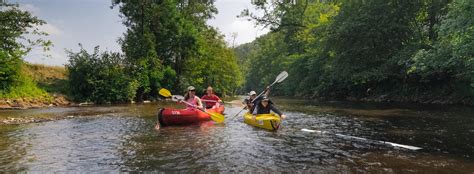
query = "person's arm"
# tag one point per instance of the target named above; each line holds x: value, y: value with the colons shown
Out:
x: 267, y: 91
x: 198, y: 102
x: 218, y: 99
x: 245, y: 103
x: 257, y: 100
x: 203, y: 98
x: 255, y: 110
x: 274, y: 109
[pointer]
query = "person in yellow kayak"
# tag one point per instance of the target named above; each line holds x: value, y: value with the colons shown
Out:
x: 191, y: 98
x: 264, y: 107
x: 210, y: 99
x: 251, y: 101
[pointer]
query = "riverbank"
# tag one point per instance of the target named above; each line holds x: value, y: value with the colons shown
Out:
x: 39, y: 86
x: 32, y: 103
x: 414, y: 99
x: 397, y: 98
x: 394, y: 99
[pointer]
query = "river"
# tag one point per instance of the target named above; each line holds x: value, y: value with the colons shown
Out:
x: 121, y: 138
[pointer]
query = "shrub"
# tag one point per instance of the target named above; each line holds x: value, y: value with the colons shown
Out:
x: 99, y: 77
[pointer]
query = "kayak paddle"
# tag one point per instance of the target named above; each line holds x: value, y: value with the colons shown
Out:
x: 210, y: 101
x: 219, y: 118
x: 282, y: 76
x: 164, y: 92
x: 364, y: 139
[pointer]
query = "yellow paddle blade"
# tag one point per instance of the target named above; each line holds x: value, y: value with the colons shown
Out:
x: 219, y: 118
x: 164, y: 92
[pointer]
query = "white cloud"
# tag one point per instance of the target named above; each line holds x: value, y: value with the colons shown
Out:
x: 51, y: 29
x: 30, y: 8
x: 228, y: 23
x: 51, y: 57
x: 246, y: 31
x: 48, y: 27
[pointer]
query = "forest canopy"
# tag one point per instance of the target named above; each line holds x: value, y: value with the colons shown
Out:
x: 383, y: 50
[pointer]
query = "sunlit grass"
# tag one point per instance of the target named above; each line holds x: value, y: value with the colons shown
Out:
x: 50, y: 78
x: 26, y: 88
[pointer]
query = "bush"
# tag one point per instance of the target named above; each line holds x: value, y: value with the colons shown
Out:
x: 9, y: 70
x: 99, y: 77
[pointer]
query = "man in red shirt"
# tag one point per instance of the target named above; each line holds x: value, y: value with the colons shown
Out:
x: 210, y: 98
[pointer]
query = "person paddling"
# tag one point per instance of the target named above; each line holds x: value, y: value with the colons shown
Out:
x: 264, y: 107
x: 251, y: 101
x: 191, y: 98
x: 210, y: 99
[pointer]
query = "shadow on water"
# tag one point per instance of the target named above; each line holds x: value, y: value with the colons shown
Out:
x: 121, y: 138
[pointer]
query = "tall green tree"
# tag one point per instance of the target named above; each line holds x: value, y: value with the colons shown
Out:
x: 168, y: 44
x: 447, y: 68
x: 364, y: 37
x: 214, y: 65
x: 401, y: 50
x: 16, y: 26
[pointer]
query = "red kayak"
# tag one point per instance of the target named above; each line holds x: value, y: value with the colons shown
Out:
x: 169, y: 116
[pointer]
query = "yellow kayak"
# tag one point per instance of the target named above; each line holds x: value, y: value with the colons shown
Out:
x: 266, y: 121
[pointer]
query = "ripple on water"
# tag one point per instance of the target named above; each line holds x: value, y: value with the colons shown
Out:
x: 120, y: 140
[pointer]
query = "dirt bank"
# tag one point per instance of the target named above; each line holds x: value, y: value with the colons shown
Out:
x: 30, y: 103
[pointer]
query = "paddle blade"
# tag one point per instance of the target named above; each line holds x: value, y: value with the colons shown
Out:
x: 177, y: 98
x: 164, y: 92
x: 219, y: 118
x: 282, y: 76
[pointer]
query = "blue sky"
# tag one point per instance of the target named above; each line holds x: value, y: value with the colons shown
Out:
x: 93, y: 22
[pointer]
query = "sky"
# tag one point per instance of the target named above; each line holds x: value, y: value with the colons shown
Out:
x: 93, y: 23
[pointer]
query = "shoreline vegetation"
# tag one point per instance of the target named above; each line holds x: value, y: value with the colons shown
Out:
x: 403, y: 51
x: 388, y: 52
x: 42, y: 86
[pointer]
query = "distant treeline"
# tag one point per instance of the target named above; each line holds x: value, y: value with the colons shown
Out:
x: 397, y: 50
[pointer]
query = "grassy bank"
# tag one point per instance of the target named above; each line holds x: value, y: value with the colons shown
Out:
x: 38, y: 86
x: 53, y: 79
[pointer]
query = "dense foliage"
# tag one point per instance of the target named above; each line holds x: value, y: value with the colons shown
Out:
x: 389, y: 50
x: 9, y: 70
x: 15, y: 25
x: 168, y: 44
x: 99, y: 77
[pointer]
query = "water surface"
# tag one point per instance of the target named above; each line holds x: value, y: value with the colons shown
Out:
x: 121, y: 138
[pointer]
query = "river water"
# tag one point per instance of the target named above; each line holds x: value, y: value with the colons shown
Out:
x: 121, y: 138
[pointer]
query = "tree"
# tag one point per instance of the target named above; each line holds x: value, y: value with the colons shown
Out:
x: 402, y: 50
x: 170, y: 45
x: 447, y: 68
x: 15, y: 26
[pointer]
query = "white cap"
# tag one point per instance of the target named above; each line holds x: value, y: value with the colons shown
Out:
x: 252, y: 93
